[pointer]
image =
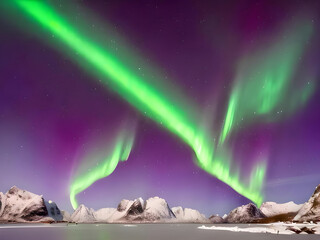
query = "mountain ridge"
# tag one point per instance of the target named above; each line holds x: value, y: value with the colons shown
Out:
x: 19, y: 205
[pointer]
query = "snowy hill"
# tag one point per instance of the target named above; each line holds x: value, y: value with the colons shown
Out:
x: 271, y: 209
x: 189, y: 215
x: 128, y: 211
x: 152, y: 210
x: 157, y: 209
x: 21, y: 206
x: 104, y: 214
x: 310, y: 211
x: 83, y: 215
x: 245, y: 214
x: 139, y: 211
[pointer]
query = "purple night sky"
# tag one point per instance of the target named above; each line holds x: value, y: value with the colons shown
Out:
x: 52, y: 111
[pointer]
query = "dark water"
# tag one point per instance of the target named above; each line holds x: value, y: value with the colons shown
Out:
x: 122, y: 232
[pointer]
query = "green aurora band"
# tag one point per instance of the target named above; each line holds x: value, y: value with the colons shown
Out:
x: 268, y: 77
x: 120, y: 152
x: 147, y: 99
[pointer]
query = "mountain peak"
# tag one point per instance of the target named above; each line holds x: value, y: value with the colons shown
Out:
x: 310, y: 211
x: 83, y: 214
x: 19, y: 206
x: 244, y: 214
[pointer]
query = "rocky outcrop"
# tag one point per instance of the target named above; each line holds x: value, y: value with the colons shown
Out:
x: 2, y: 203
x: 245, y: 214
x: 53, y: 210
x: 310, y: 211
x: 157, y: 209
x: 271, y: 209
x: 216, y: 219
x: 127, y: 211
x: 18, y: 205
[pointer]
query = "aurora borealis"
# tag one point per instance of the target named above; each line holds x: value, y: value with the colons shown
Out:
x: 120, y: 152
x: 208, y: 106
x: 145, y: 98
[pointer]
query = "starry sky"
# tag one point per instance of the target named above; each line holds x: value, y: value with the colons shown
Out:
x: 53, y: 112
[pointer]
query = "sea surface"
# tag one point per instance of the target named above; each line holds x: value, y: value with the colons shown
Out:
x: 132, y: 232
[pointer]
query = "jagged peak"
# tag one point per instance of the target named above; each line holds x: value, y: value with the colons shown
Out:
x: 13, y: 190
x: 317, y: 190
x: 124, y: 204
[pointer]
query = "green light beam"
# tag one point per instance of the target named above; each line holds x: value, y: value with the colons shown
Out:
x: 263, y: 84
x: 120, y: 152
x: 140, y: 94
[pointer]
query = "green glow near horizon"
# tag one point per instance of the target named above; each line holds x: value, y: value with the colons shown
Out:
x: 121, y: 151
x: 263, y: 84
x: 143, y: 96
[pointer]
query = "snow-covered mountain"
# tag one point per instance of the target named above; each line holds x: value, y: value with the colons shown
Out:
x: 104, y: 214
x: 271, y: 209
x: 157, y: 209
x: 152, y: 210
x: 189, y: 215
x: 128, y: 211
x: 245, y: 214
x: 216, y: 219
x: 22, y: 206
x: 310, y: 211
x: 83, y: 215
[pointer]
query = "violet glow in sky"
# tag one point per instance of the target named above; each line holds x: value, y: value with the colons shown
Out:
x: 53, y: 113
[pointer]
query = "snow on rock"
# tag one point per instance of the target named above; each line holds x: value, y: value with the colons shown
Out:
x: 124, y: 204
x: 157, y: 209
x: 18, y: 205
x: 276, y: 228
x: 83, y: 215
x: 104, y: 214
x: 189, y: 215
x: 245, y: 214
x: 136, y: 208
x: 152, y: 210
x: 128, y: 211
x: 2, y: 202
x: 271, y: 209
x: 310, y: 211
x: 178, y: 212
x: 264, y: 229
x: 216, y: 219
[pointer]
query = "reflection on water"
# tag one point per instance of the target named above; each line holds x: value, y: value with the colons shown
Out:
x: 126, y: 232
